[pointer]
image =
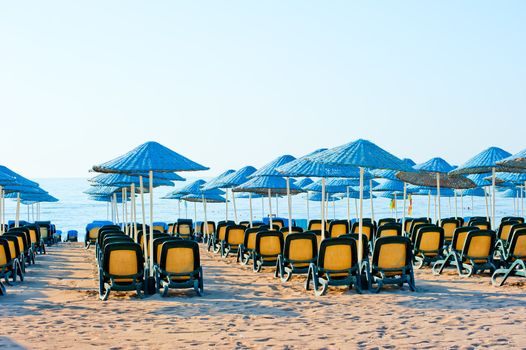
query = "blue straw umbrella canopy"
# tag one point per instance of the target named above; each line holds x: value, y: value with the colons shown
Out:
x: 216, y: 181
x: 487, y: 161
x: 517, y: 160
x: 436, y: 172
x: 124, y: 180
x: 149, y: 157
x: 219, y: 182
x: 362, y: 154
x: 302, y: 183
x: 235, y: 179
x: 9, y: 177
x: 316, y: 197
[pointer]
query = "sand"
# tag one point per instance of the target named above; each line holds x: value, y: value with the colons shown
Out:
x: 57, y: 306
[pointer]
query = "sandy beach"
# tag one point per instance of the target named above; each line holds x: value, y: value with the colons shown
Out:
x: 58, y: 306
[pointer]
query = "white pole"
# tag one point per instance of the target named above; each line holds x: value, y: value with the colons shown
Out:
x: 270, y: 207
x: 195, y: 211
x: 277, y: 206
x: 438, y: 195
x: 322, y: 207
x: 333, y: 209
x: 108, y: 211
x: 360, y: 221
x: 134, y: 210
x: 428, y: 204
x: 405, y: 203
x: 473, y: 204
x: 116, y: 207
x: 289, y: 203
x: 205, y: 224
x: 493, y: 185
x: 450, y: 208
x: 186, y: 209
x: 250, y: 207
x: 145, y: 248
x: 17, y: 218
x: 123, y: 195
x: 396, y: 207
x: 371, y: 195
x: 356, y: 208
x: 151, y: 223
x: 234, y: 204
x: 226, y: 205
x: 179, y: 208
x: 487, y: 204
x: 522, y: 200
x: 348, y: 209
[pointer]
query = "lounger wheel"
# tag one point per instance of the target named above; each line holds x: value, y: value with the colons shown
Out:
x: 103, y: 292
x: 419, y: 262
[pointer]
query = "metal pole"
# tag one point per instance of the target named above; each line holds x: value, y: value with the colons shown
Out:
x: 360, y: 221
x: 1, y: 210
x: 405, y: 203
x: 195, y: 211
x: 522, y: 200
x: 205, y: 224
x: 487, y: 204
x: 289, y: 203
x: 226, y: 205
x: 179, y: 208
x: 462, y: 205
x: 151, y: 223
x: 143, y: 209
x: 348, y: 208
x: 17, y: 218
x: 396, y: 207
x: 250, y: 207
x: 262, y: 207
x: 493, y: 178
x: 371, y: 194
x: 277, y: 206
x: 234, y: 204
x: 428, y: 204
x: 308, y: 211
x: 334, y: 209
x: 322, y: 207
x: 439, y: 204
x: 270, y: 207
x: 134, y: 211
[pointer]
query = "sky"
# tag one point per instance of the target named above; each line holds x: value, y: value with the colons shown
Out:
x: 233, y: 83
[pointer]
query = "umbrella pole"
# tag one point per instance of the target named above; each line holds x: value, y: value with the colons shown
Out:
x: 205, y: 224
x: 226, y: 205
x: 145, y: 246
x: 17, y: 218
x: 371, y: 195
x: 360, y: 221
x: 405, y: 203
x: 428, y: 204
x: 472, y: 205
x: 107, y: 210
x: 250, y: 207
x: 348, y: 209
x: 487, y: 204
x: 334, y: 209
x: 270, y: 207
x: 396, y: 207
x: 179, y: 208
x: 439, y: 203
x: 356, y: 207
x: 435, y: 199
x: 195, y: 212
x: 151, y: 222
x: 234, y: 204
x: 134, y: 210
x: 123, y: 194
x: 327, y: 207
x: 289, y: 204
x: 522, y: 200
x: 186, y: 209
x: 493, y: 178
x: 450, y: 208
x: 116, y: 207
x: 277, y: 206
x: 322, y: 207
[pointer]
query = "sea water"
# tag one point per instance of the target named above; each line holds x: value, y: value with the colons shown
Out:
x: 75, y: 210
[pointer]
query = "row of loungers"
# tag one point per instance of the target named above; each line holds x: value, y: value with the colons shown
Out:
x: 19, y: 247
x: 120, y: 258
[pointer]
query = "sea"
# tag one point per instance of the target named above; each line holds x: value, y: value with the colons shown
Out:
x: 75, y: 210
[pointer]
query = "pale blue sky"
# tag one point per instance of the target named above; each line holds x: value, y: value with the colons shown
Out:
x: 230, y: 83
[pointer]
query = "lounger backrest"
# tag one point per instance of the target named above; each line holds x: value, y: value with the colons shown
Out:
x: 5, y: 252
x: 416, y: 222
x: 505, y: 229
x: 384, y: 221
x: 93, y: 233
x: 302, y: 246
x: 14, y: 245
x: 210, y: 227
x: 44, y: 232
x: 279, y: 222
x: 513, y: 218
x: 269, y: 243
x: 180, y: 256
x: 389, y: 229
x: 249, y: 238
x: 430, y: 239
x: 315, y: 225
x: 459, y: 237
x: 33, y: 234
x: 234, y: 234
x: 337, y: 254
x: 479, y: 245
x: 449, y: 225
x: 367, y: 229
x: 517, y: 246
x: 338, y: 228
x: 318, y: 235
x: 159, y: 228
x: 157, y: 246
x: 392, y: 253
x: 123, y: 259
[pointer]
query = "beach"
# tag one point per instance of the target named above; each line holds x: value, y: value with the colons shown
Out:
x: 57, y: 306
